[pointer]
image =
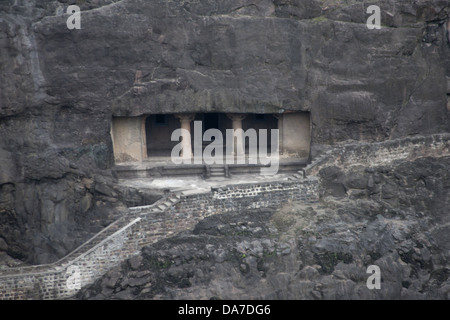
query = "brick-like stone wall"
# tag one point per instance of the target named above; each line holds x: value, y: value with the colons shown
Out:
x: 382, y: 153
x: 143, y: 226
x: 64, y: 279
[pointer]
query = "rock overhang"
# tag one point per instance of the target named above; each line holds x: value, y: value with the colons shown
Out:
x: 220, y: 63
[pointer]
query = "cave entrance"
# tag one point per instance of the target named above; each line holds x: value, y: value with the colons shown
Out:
x: 211, y: 121
x: 149, y: 136
x: 158, y: 132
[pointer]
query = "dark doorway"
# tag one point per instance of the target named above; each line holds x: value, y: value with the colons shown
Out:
x: 159, y: 128
x: 211, y: 121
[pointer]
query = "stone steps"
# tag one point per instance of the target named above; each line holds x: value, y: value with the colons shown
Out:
x: 158, y: 206
x: 297, y: 176
x: 96, y: 239
x: 85, y: 247
x: 163, y: 204
x: 127, y: 236
x: 217, y: 171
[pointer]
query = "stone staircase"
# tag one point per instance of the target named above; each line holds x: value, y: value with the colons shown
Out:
x: 300, y: 175
x: 19, y: 283
x: 141, y: 226
x: 216, y: 171
x: 159, y: 206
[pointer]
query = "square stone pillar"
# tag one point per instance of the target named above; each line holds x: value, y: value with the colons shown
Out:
x: 129, y: 141
x: 185, y: 123
x: 296, y: 134
x: 236, y: 119
x: 279, y: 117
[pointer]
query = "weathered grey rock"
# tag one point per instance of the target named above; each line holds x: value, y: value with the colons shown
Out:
x: 135, y: 262
x: 333, y: 182
x: 3, y: 245
x: 408, y: 242
x: 59, y: 89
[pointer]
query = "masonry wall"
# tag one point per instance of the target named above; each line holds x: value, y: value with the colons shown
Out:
x: 382, y: 153
x: 143, y: 226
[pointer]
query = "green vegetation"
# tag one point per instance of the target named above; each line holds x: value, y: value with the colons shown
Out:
x: 329, y: 260
x: 320, y: 19
x: 158, y: 264
x: 296, y: 219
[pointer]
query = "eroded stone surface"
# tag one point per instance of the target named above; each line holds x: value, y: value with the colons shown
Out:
x: 318, y: 251
x: 60, y: 88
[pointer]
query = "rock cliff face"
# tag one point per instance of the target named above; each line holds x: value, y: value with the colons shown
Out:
x: 59, y: 89
x: 395, y: 218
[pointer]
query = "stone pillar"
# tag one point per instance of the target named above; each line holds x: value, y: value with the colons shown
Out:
x: 128, y: 137
x: 279, y: 117
x: 185, y: 123
x: 237, y: 118
x: 296, y: 134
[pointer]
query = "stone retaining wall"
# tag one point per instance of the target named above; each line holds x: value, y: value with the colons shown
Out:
x: 382, y: 153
